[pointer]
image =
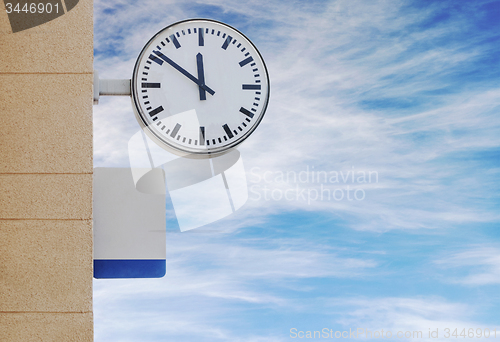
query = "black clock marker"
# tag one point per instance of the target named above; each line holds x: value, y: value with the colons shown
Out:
x: 155, y: 111
x: 250, y: 86
x: 151, y: 85
x: 246, y: 112
x: 176, y: 129
x: 226, y: 42
x: 155, y: 59
x: 175, y: 41
x: 202, y: 135
x: 201, y: 40
x: 228, y: 131
x: 246, y: 61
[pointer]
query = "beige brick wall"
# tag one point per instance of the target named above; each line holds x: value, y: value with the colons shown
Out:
x: 46, y: 179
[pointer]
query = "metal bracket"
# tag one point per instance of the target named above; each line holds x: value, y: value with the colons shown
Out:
x: 110, y: 87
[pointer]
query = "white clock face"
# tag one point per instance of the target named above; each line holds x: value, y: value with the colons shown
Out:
x: 200, y: 87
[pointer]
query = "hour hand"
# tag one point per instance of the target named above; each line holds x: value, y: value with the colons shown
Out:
x: 201, y: 76
x: 184, y: 72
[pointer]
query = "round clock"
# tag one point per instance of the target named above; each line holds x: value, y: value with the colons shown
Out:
x: 199, y: 87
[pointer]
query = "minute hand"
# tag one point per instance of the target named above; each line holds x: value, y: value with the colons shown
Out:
x: 184, y: 72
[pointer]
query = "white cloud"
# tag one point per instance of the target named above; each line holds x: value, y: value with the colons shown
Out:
x: 207, y: 283
x: 411, y: 316
x: 481, y: 265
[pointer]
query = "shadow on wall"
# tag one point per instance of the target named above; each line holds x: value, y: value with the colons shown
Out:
x: 24, y: 14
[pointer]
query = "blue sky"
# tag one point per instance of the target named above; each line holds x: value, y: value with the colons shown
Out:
x: 407, y: 90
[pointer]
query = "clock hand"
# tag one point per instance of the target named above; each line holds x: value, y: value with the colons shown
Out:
x: 201, y: 76
x: 184, y: 72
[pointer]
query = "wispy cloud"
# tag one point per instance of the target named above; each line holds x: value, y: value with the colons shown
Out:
x: 479, y: 265
x: 409, y: 315
x: 206, y: 281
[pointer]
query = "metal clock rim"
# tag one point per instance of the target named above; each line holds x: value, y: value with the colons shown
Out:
x: 144, y: 124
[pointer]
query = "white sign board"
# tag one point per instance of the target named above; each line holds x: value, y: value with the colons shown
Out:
x: 129, y: 225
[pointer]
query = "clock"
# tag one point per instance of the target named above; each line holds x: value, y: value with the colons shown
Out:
x: 199, y: 88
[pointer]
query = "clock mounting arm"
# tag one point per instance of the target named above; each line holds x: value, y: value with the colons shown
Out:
x: 110, y: 87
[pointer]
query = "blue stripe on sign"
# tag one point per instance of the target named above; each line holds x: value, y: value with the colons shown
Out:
x: 148, y: 268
